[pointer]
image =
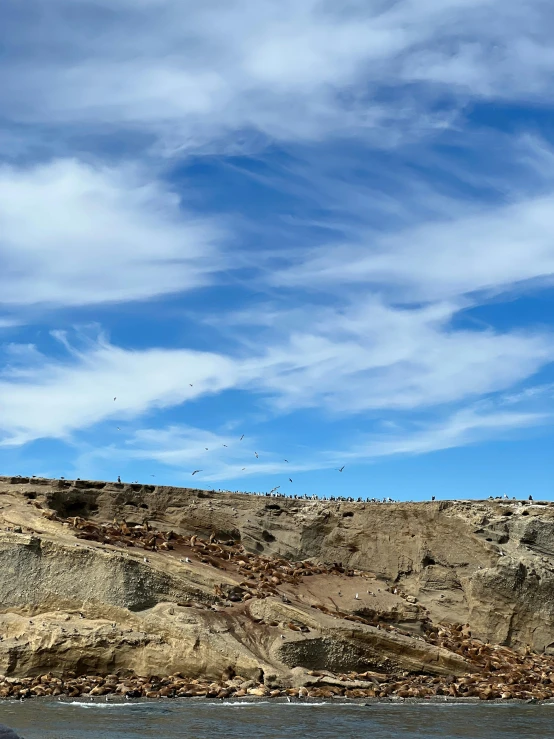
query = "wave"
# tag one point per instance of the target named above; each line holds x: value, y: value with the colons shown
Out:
x: 176, y: 704
x: 109, y: 705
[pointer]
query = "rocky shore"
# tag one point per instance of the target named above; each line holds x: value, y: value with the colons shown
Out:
x: 146, y: 592
x: 499, y: 673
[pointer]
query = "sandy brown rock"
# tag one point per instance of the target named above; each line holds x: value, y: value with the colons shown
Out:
x: 112, y: 578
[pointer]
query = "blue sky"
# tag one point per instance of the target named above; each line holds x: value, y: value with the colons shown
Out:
x: 326, y: 226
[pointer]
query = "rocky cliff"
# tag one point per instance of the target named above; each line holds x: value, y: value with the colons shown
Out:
x: 135, y: 579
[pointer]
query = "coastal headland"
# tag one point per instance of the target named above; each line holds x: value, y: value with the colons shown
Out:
x: 146, y: 591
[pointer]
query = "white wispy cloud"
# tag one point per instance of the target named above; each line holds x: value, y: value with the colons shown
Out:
x: 348, y: 360
x: 54, y: 398
x: 369, y: 355
x: 74, y: 234
x: 461, y: 428
x: 441, y: 259
x: 193, y: 73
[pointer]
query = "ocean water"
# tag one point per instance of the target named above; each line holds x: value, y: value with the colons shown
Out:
x: 195, y: 720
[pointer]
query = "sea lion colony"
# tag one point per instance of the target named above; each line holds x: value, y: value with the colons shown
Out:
x: 265, y: 574
x: 498, y: 672
x: 239, y: 578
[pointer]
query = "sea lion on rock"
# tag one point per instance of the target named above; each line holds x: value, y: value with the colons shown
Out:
x: 7, y: 733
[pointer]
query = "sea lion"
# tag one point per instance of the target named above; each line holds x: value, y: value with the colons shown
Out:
x: 7, y: 733
x: 229, y: 673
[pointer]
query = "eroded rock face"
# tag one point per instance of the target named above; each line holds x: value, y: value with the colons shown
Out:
x: 114, y: 604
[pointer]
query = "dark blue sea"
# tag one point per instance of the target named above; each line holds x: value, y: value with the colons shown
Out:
x: 205, y: 720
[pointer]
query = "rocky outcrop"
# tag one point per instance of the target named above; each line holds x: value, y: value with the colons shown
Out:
x: 100, y: 578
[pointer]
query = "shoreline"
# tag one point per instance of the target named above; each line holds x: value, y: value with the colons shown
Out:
x: 338, y: 700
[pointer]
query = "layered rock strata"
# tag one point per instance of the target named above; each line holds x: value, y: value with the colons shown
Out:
x: 105, y: 579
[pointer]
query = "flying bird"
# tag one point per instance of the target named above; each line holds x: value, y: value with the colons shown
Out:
x: 195, y: 471
x: 286, y: 460
x: 206, y: 448
x: 115, y: 398
x: 243, y: 469
x: 256, y: 453
x: 224, y: 444
x: 241, y: 438
x: 274, y: 489
x: 290, y: 479
x: 190, y: 383
x: 341, y: 469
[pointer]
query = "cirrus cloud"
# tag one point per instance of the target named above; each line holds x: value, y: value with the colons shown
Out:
x: 193, y: 74
x: 75, y: 234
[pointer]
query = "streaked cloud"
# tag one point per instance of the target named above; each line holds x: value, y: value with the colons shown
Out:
x: 462, y: 428
x: 289, y: 70
x: 329, y: 224
x: 490, y: 251
x: 366, y: 357
x: 369, y: 356
x: 56, y: 398
x: 75, y: 234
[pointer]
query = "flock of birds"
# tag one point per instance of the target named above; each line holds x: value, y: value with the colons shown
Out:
x: 273, y: 493
x: 339, y: 498
x: 196, y: 472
